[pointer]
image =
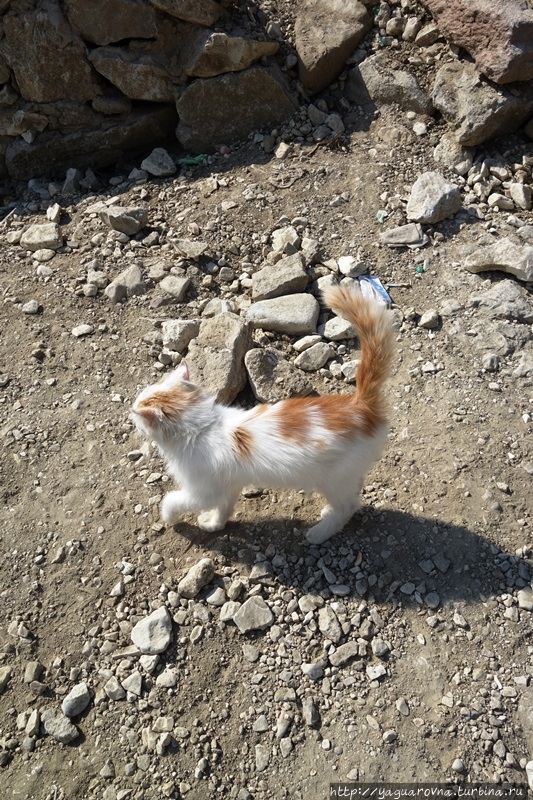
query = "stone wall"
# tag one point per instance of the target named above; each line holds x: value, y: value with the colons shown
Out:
x: 81, y: 82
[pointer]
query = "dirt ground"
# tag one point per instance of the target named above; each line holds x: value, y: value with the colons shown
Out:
x: 80, y: 501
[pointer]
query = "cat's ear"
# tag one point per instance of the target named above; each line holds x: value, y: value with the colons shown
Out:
x: 182, y: 371
x: 150, y: 416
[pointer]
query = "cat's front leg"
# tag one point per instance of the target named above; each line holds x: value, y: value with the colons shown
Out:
x: 216, y: 519
x: 174, y: 506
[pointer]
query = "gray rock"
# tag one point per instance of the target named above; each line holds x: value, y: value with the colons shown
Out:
x: 177, y: 333
x: 529, y: 774
x: 374, y: 672
x: 478, y: 111
x: 176, y: 286
x: 429, y: 319
x: 286, y: 241
x: 133, y: 683
x: 310, y: 712
x: 228, y: 610
x: 521, y: 195
x: 218, y: 53
x: 329, y: 624
x: 114, y: 690
x: 135, y: 76
x: 254, y: 614
x: 31, y: 307
x: 262, y: 757
x: 373, y: 81
x: 314, y: 357
x: 272, y: 377
x: 379, y: 648
x: 43, y: 236
x: 295, y: 314
x: 58, y: 726
x: 128, y: 284
x: 216, y: 355
x: 227, y: 108
x: 433, y: 199
x: 287, y: 276
x: 525, y: 366
x: 82, y: 330
x: 344, y: 654
x: 153, y: 633
x: 504, y: 300
x: 76, y: 700
x: 504, y: 255
x: 351, y: 267
x: 190, y: 248
x: 336, y: 329
x: 199, y: 575
x: 5, y: 677
x: 323, y: 48
x: 159, y: 163
x: 525, y: 599
x: 452, y: 154
x: 106, y: 21
x: 313, y: 671
x: 128, y: 220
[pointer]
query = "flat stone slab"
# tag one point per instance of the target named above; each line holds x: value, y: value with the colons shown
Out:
x: 45, y: 236
x: 253, y: 615
x: 295, y: 314
x: 504, y: 256
x: 128, y: 220
x: 433, y: 199
x: 153, y: 633
x: 287, y: 276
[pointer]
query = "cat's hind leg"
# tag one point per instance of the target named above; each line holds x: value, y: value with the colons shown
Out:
x: 334, y: 516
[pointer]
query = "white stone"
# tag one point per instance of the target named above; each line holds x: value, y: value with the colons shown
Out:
x: 153, y: 633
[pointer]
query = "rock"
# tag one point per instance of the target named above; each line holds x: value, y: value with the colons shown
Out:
x: 503, y: 255
x: 137, y: 77
x: 529, y: 774
x: 106, y: 21
x: 295, y: 314
x: 374, y: 82
x: 128, y: 284
x: 58, y: 726
x: 504, y: 300
x: 159, y: 163
x: 498, y: 36
x: 153, y: 633
x: 30, y: 47
x: 525, y: 366
x: 452, y: 154
x: 219, y: 53
x: 31, y: 307
x: 224, y: 109
x: 323, y: 48
x: 285, y: 241
x: 114, y: 690
x: 344, y: 653
x: 5, y: 677
x: 196, y: 578
x: 177, y: 333
x: 329, y: 624
x: 200, y: 12
x: 379, y: 647
x: 287, y: 276
x: 176, y: 286
x: 228, y: 610
x: 76, y: 700
x: 521, y: 195
x: 128, y: 220
x: 90, y: 148
x: 410, y: 235
x: 262, y: 757
x: 310, y: 712
x: 430, y: 319
x: 314, y: 357
x: 314, y: 671
x: 433, y: 199
x: 272, y: 377
x: 216, y: 356
x: 42, y: 236
x: 525, y: 599
x: 82, y: 330
x: 477, y: 110
x: 374, y: 672
x: 458, y: 765
x: 254, y: 614
x: 336, y: 329
x: 133, y: 683
x: 351, y: 267
x: 189, y: 248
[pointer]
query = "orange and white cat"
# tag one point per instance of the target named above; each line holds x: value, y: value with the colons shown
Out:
x: 323, y: 444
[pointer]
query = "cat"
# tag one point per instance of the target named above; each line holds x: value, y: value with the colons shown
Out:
x: 325, y: 444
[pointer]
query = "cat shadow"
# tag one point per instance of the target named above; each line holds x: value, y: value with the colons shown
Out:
x: 387, y: 555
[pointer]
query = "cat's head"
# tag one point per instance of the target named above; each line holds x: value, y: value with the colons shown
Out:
x: 161, y: 407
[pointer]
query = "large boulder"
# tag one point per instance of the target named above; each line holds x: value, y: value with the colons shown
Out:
x: 31, y: 44
x: 326, y: 32
x: 214, y: 111
x: 105, y: 21
x: 97, y: 148
x: 475, y: 109
x: 498, y: 34
x: 201, y: 12
x: 137, y: 76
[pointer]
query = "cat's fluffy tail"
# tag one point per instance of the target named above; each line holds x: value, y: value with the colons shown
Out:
x: 373, y: 325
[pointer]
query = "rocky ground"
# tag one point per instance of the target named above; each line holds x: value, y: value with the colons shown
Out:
x: 402, y: 650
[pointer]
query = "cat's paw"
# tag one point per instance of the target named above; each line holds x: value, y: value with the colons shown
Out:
x: 326, y: 511
x: 319, y: 533
x: 210, y: 521
x: 169, y: 513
